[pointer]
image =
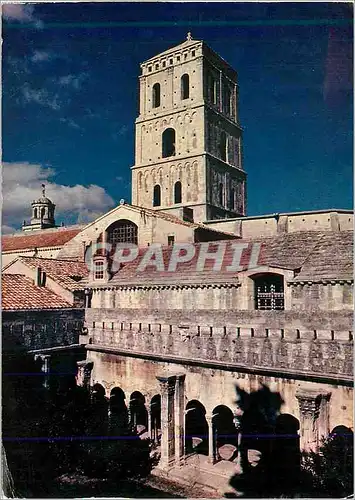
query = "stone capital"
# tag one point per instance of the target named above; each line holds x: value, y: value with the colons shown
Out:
x: 167, y: 383
x: 310, y: 401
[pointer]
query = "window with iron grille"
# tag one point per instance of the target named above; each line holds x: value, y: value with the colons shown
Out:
x: 269, y: 292
x: 99, y: 270
x: 123, y: 231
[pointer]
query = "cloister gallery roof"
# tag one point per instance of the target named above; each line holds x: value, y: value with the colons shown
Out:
x: 20, y: 293
x: 312, y: 255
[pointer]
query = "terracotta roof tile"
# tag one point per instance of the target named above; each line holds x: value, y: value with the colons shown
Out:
x: 67, y: 273
x: 38, y: 239
x: 20, y: 293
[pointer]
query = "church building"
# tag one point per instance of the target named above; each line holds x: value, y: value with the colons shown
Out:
x: 192, y: 307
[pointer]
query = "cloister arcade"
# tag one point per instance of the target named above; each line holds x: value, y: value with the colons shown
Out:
x: 223, y: 434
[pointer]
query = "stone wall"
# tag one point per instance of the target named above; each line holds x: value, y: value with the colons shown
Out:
x: 271, y: 225
x: 41, y: 329
x: 276, y: 343
x: 237, y: 295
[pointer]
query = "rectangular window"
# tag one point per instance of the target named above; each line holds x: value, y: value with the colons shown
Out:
x: 170, y: 61
x: 171, y: 240
x: 164, y: 64
x: 99, y: 270
x: 150, y: 69
x: 178, y: 58
x: 193, y: 53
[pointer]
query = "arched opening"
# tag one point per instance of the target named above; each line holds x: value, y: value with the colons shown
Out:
x: 155, y: 411
x: 269, y: 292
x: 118, y: 411
x: 232, y: 199
x: 156, y: 95
x: 35, y: 213
x: 221, y: 194
x: 286, y: 454
x: 98, y: 419
x: 223, y: 146
x: 185, y: 86
x: 177, y: 192
x: 43, y: 212
x: 225, y: 432
x: 139, y: 415
x: 122, y: 231
x: 168, y: 143
x: 196, y: 428
x: 156, y: 196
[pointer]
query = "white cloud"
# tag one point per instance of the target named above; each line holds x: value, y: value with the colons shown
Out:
x: 71, y: 123
x: 22, y: 13
x: 40, y: 96
x: 22, y: 184
x: 74, y: 81
x: 41, y: 56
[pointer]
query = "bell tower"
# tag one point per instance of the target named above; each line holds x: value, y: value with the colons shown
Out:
x: 42, y: 216
x: 188, y: 136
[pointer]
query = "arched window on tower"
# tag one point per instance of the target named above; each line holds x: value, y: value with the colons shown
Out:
x: 35, y: 213
x: 168, y: 143
x: 122, y: 231
x: 223, y: 146
x: 156, y: 196
x: 221, y: 194
x: 185, y: 86
x: 232, y: 199
x: 43, y: 212
x: 156, y: 95
x: 177, y: 192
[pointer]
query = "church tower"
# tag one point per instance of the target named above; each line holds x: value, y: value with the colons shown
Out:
x: 42, y: 214
x: 188, y: 158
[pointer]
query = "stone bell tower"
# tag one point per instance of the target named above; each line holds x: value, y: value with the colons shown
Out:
x: 42, y: 216
x: 188, y: 158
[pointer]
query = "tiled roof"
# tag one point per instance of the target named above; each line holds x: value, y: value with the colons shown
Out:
x: 331, y: 258
x: 20, y: 293
x: 318, y: 255
x: 38, y: 239
x: 176, y: 220
x: 65, y: 272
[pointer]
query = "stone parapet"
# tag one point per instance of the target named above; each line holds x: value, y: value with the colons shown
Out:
x: 275, y: 343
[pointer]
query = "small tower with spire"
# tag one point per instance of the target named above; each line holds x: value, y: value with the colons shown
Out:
x: 42, y: 216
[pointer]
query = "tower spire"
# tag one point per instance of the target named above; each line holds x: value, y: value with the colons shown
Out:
x: 43, y: 190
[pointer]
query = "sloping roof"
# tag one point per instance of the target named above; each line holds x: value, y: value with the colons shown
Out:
x: 176, y: 220
x: 318, y: 255
x: 38, y: 239
x: 331, y: 258
x: 179, y: 46
x: 20, y: 293
x: 67, y: 273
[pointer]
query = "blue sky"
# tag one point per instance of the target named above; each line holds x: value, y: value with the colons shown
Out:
x: 70, y: 76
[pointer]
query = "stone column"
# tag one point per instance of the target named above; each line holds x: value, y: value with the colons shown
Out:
x: 309, y: 404
x: 179, y: 418
x: 167, y: 388
x: 83, y: 377
x: 211, y: 440
x: 45, y: 367
x: 149, y: 419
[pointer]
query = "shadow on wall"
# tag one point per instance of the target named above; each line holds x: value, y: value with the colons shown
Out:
x: 269, y: 450
x: 270, y: 464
